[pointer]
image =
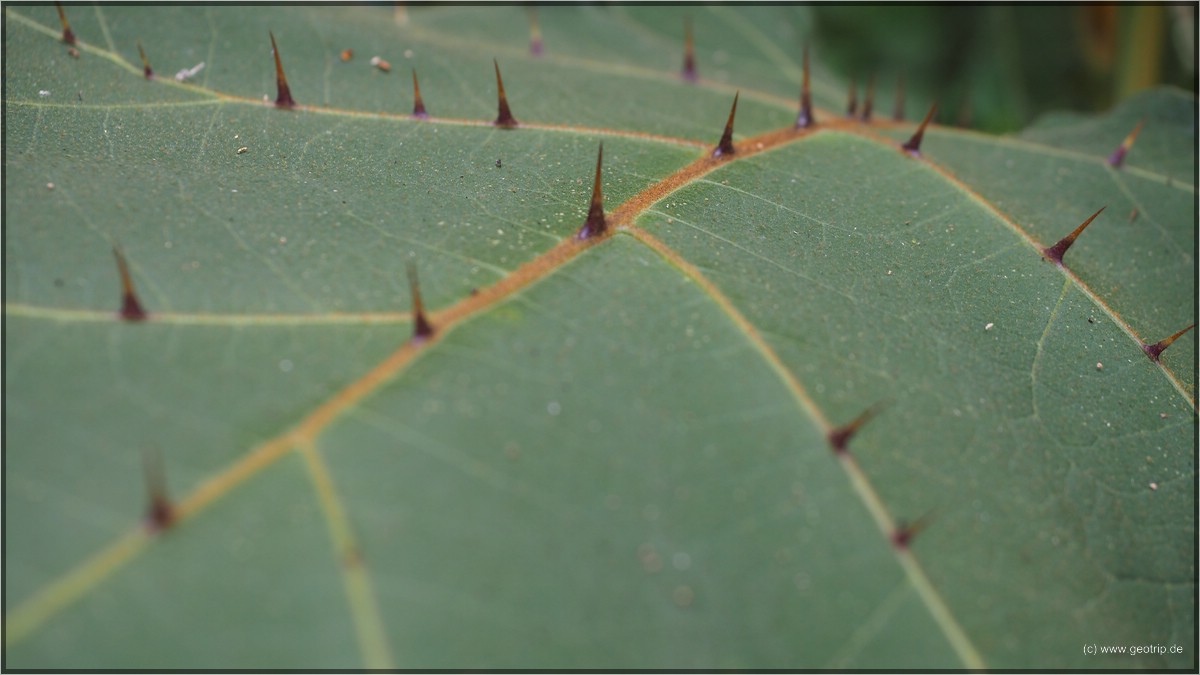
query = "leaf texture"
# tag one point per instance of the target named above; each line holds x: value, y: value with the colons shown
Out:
x: 610, y: 453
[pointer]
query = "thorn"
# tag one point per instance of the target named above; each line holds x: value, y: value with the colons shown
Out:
x: 146, y: 69
x: 904, y: 533
x: 595, y: 224
x: 347, y: 54
x: 1056, y: 252
x: 725, y: 146
x: 840, y: 437
x: 805, y: 119
x: 1133, y: 214
x: 898, y: 111
x: 422, y: 329
x: 418, y: 104
x: 1156, y: 349
x: 1117, y: 158
x: 913, y: 146
x: 160, y: 513
x: 131, y: 309
x: 689, y: 52
x: 284, y: 98
x: 852, y: 104
x: 869, y: 101
x: 504, y: 118
x: 67, y: 36
x: 535, y: 33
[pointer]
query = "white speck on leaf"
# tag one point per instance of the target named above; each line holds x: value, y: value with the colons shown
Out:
x: 189, y: 73
x: 989, y: 326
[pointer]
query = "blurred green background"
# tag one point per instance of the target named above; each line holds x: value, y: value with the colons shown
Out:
x: 997, y: 67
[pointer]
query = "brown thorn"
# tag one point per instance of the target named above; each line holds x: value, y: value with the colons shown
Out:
x: 913, y: 146
x: 504, y: 118
x: 840, y: 437
x: 131, y: 309
x: 422, y: 329
x: 595, y: 225
x: 146, y: 69
x: 898, y: 111
x: 852, y: 104
x: 1155, y: 350
x: 160, y: 513
x: 1056, y: 252
x: 725, y: 146
x: 418, y: 104
x: 284, y: 98
x: 535, y: 33
x: 689, y: 52
x: 869, y: 101
x: 805, y: 119
x: 904, y: 533
x: 67, y: 35
x: 1117, y: 158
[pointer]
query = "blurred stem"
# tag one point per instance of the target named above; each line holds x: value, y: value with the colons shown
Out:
x: 1140, y: 63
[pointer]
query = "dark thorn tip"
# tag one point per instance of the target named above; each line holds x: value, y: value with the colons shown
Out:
x: 1056, y: 252
x: 869, y: 101
x: 725, y: 146
x: 805, y: 119
x: 504, y: 116
x: 535, y: 34
x: 131, y: 309
x: 418, y: 104
x: 689, y: 52
x: 1117, y: 158
x: 840, y: 437
x: 422, y: 328
x: 913, y: 146
x: 284, y: 98
x: 595, y: 225
x: 904, y: 533
x: 68, y: 36
x: 146, y: 69
x: 160, y: 513
x: 1155, y: 350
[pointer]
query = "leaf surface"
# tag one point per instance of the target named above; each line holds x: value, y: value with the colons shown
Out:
x: 611, y: 454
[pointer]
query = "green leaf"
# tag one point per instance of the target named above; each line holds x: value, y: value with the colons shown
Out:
x: 610, y: 454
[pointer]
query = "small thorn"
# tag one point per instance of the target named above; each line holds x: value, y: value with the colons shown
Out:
x: 852, y: 104
x: 1133, y: 214
x: 725, y: 146
x: 1056, y: 252
x: 284, y: 98
x: 805, y: 119
x: 418, y: 104
x: 689, y: 52
x: 146, y: 69
x: 504, y: 118
x: 898, y: 111
x: 904, y: 533
x: 869, y: 101
x: 422, y: 329
x: 913, y: 146
x: 1117, y: 158
x: 840, y: 437
x: 1155, y: 350
x: 131, y: 309
x: 535, y: 34
x: 67, y: 36
x: 160, y: 513
x: 595, y: 225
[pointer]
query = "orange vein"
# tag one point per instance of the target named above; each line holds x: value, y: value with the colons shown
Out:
x: 937, y: 607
